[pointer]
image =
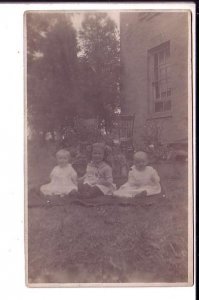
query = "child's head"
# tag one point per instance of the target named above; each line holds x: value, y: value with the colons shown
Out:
x: 140, y: 160
x: 100, y: 152
x: 63, y: 157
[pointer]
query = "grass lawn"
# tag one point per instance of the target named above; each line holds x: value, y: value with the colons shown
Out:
x: 145, y: 241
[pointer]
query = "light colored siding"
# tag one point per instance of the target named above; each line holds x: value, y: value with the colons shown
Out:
x: 137, y: 37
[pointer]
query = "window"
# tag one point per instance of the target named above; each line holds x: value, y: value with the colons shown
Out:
x: 159, y: 79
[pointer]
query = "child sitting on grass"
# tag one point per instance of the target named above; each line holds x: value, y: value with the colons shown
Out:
x: 98, y: 179
x: 143, y: 180
x: 63, y: 177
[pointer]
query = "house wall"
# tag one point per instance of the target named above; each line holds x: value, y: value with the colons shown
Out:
x: 140, y: 32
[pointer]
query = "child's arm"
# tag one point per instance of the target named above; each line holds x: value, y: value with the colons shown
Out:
x: 107, y: 179
x: 124, y: 171
x: 155, y: 177
x: 52, y: 173
x: 131, y: 178
x: 81, y: 180
x: 74, y: 177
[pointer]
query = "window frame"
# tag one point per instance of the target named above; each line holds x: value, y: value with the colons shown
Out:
x: 151, y: 80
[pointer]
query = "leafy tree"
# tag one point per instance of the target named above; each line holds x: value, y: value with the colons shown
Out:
x: 52, y: 63
x: 100, y: 66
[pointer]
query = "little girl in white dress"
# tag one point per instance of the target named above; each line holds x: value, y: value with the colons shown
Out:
x: 142, y: 179
x: 63, y: 177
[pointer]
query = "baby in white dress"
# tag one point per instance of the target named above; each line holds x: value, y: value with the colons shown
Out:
x: 142, y: 179
x: 63, y: 177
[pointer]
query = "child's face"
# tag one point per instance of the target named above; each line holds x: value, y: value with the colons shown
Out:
x: 97, y: 155
x: 62, y: 160
x: 140, y: 163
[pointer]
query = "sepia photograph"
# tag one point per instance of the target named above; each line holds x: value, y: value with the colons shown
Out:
x: 108, y: 148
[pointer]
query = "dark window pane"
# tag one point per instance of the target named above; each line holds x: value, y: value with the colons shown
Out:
x: 157, y: 90
x: 163, y: 85
x: 158, y: 106
x: 161, y: 57
x: 168, y: 71
x: 155, y: 60
x: 168, y: 92
x: 163, y: 73
x: 156, y: 67
x: 167, y: 51
x: 163, y: 94
x: 167, y: 105
x: 156, y: 75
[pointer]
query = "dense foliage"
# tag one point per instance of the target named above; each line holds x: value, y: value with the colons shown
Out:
x: 69, y: 72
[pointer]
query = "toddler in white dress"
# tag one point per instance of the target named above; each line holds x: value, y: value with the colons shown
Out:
x: 63, y: 177
x: 142, y: 179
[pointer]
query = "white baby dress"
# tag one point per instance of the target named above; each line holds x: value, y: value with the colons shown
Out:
x: 139, y: 181
x: 63, y: 181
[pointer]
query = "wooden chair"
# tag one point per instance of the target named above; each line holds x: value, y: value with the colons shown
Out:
x: 123, y: 126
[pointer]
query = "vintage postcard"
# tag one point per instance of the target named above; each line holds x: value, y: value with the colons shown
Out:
x: 109, y: 165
